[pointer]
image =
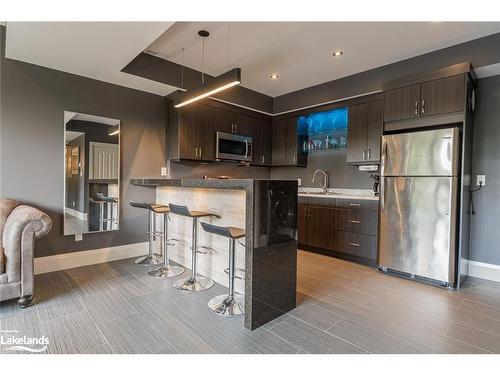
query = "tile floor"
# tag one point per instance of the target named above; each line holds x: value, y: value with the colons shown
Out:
x: 342, y: 308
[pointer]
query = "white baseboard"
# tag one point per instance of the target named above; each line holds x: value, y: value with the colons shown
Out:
x: 484, y: 270
x: 75, y: 213
x: 84, y: 258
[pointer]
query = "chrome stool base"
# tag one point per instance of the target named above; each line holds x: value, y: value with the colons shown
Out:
x: 226, y: 305
x: 149, y: 260
x: 196, y: 284
x: 168, y: 271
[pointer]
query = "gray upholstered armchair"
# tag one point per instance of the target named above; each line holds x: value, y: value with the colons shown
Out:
x: 20, y: 226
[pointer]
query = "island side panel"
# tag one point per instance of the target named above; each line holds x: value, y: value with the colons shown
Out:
x: 229, y: 205
x: 271, y: 287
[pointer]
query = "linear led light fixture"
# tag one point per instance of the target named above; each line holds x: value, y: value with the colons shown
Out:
x: 113, y: 130
x: 215, y: 85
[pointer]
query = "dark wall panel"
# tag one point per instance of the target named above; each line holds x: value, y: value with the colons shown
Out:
x: 33, y: 100
x: 486, y: 160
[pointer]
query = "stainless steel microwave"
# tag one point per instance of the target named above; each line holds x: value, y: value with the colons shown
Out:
x: 230, y: 146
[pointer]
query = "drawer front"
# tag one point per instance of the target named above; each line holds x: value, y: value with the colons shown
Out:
x: 363, y: 221
x: 371, y: 205
x: 321, y: 202
x: 361, y: 245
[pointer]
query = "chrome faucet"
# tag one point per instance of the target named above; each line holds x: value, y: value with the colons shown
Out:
x: 324, y: 185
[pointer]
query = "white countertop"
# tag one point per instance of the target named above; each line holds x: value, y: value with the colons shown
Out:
x: 335, y: 193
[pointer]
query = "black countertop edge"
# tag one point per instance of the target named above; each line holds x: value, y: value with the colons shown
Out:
x: 242, y: 184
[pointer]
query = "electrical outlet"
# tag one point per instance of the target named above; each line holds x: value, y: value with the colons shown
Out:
x: 163, y: 171
x: 78, y: 236
x: 299, y: 180
x: 481, y: 179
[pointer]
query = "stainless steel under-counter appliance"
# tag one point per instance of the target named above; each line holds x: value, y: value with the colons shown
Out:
x: 231, y: 146
x: 419, y: 204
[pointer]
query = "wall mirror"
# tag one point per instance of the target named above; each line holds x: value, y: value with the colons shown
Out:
x: 92, y: 173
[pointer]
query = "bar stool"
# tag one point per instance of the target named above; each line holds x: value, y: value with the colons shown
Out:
x: 196, y: 282
x: 152, y: 259
x: 166, y: 270
x: 110, y: 203
x: 230, y: 304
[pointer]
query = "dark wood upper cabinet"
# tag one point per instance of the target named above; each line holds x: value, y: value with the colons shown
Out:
x: 356, y: 133
x: 224, y: 120
x: 434, y: 95
x: 363, y: 132
x: 442, y: 96
x: 206, y: 132
x: 374, y: 130
x: 262, y: 142
x: 191, y: 131
x: 401, y: 103
x: 188, y: 132
x: 286, y: 143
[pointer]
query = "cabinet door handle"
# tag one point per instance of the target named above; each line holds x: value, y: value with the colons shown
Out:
x: 354, y: 204
x: 364, y: 154
x: 235, y: 128
x: 294, y: 159
x: 354, y: 221
x: 354, y: 244
x: 369, y: 152
x: 416, y: 107
x: 263, y: 159
x: 423, y: 106
x: 196, y: 152
x: 200, y: 152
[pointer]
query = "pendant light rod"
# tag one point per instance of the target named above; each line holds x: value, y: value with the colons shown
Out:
x: 214, y: 85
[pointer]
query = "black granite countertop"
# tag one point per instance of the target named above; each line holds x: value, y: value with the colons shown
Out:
x: 241, y: 184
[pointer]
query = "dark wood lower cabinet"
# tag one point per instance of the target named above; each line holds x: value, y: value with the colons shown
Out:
x: 347, y: 228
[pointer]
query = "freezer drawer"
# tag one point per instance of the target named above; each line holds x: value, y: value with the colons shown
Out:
x: 422, y: 153
x: 417, y: 226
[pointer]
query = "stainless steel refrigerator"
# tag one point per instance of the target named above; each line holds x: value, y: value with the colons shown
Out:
x: 419, y: 197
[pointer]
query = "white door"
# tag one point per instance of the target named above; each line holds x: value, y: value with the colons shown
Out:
x: 103, y: 161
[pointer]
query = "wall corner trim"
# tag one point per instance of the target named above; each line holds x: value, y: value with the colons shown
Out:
x: 65, y: 261
x: 484, y: 270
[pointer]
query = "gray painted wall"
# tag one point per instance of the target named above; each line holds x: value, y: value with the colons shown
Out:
x: 341, y: 175
x: 485, y: 237
x: 33, y: 100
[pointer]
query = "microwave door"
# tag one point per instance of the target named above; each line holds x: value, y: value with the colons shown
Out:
x: 234, y: 147
x: 421, y: 153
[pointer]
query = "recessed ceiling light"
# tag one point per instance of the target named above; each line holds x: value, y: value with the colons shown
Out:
x: 274, y: 76
x: 338, y: 53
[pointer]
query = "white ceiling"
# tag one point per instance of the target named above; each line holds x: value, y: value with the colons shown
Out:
x: 301, y: 52
x: 96, y: 50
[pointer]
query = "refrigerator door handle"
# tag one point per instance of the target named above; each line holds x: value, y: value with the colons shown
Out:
x: 384, y: 157
x: 382, y: 196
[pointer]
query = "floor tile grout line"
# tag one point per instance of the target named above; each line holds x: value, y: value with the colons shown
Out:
x: 98, y: 328
x: 324, y: 332
x: 465, y: 342
x: 334, y: 324
x: 284, y: 339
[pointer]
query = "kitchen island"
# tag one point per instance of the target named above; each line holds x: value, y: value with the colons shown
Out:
x: 267, y: 210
